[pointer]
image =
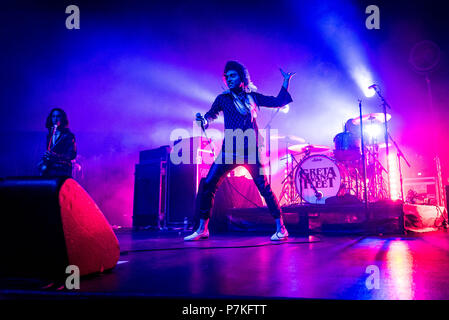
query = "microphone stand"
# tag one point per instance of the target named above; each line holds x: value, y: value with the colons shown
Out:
x: 384, y: 106
x: 302, y: 176
x: 400, y: 154
x: 363, y: 160
x: 208, y: 139
x: 268, y: 126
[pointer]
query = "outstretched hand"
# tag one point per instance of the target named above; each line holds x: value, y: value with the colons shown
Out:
x: 287, y: 76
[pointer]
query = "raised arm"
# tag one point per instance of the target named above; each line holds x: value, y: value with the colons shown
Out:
x: 282, y: 98
x: 287, y: 77
x: 273, y: 102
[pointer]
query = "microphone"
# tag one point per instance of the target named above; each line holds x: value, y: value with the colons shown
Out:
x: 372, y: 86
x: 55, y: 127
x: 198, y: 115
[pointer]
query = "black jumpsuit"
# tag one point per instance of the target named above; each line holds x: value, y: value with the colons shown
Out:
x: 234, y: 120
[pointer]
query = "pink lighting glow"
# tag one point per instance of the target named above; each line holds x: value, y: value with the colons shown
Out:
x: 395, y: 184
x: 400, y: 271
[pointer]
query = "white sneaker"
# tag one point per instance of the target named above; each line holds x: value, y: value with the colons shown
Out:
x: 197, y: 236
x: 279, y: 236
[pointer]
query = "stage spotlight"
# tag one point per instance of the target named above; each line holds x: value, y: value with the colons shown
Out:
x: 373, y: 131
x: 370, y: 92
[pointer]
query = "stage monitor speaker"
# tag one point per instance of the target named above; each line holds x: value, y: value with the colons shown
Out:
x: 423, y: 218
x: 422, y: 190
x: 49, y: 224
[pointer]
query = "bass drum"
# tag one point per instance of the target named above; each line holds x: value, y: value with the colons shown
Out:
x: 326, y: 175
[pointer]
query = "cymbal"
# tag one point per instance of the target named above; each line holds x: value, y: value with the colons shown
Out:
x: 289, y: 138
x: 305, y: 147
x: 378, y: 117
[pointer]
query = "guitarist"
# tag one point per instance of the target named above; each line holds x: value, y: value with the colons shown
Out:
x: 61, y: 146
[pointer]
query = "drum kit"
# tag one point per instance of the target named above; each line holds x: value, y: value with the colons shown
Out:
x: 315, y: 173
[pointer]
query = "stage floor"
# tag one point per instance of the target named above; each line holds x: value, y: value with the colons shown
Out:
x: 248, y: 265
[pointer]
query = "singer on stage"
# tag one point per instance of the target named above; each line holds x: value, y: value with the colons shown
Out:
x: 61, y: 146
x: 239, y: 105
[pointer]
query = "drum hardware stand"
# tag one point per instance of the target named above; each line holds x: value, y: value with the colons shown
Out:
x: 268, y: 126
x: 376, y: 178
x: 289, y: 194
x: 363, y: 161
x: 290, y: 180
x: 352, y: 180
x: 290, y: 174
x: 400, y: 154
x: 306, y: 154
x: 387, y: 151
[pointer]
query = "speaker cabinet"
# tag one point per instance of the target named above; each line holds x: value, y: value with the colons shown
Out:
x: 184, y: 178
x: 49, y: 224
x: 149, y: 195
x: 150, y: 188
x: 165, y: 190
x: 181, y: 193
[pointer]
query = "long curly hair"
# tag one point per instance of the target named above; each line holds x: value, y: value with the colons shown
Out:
x: 64, y: 119
x: 243, y: 73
